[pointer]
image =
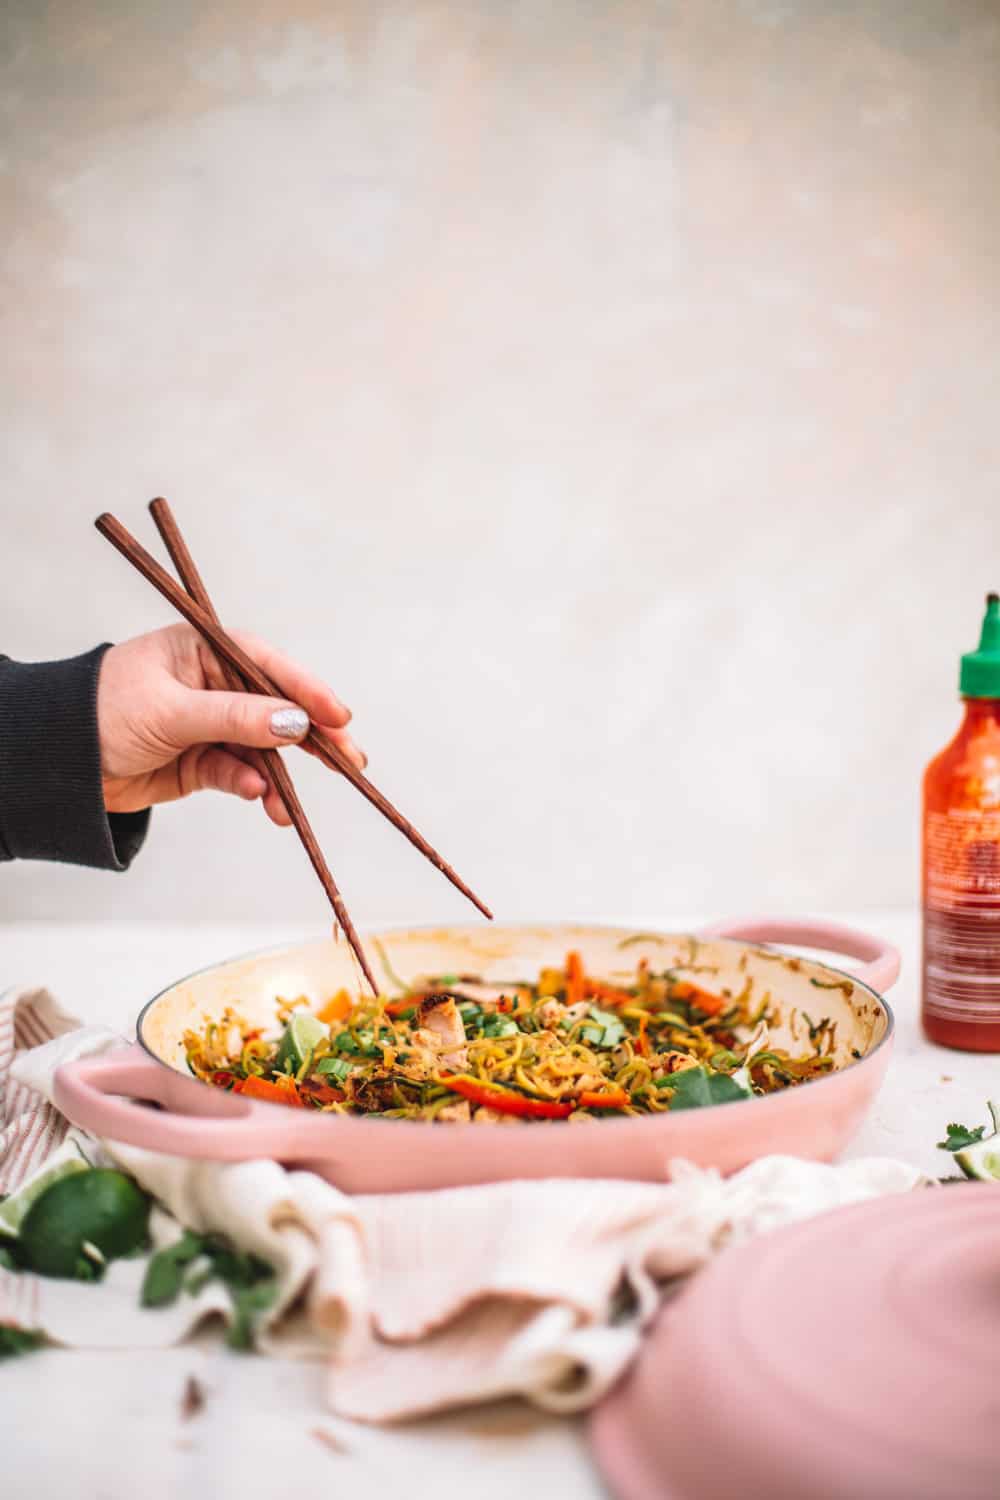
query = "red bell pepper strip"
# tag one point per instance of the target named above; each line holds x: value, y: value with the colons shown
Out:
x: 505, y: 1101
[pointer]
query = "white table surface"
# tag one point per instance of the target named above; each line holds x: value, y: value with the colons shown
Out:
x: 104, y: 1426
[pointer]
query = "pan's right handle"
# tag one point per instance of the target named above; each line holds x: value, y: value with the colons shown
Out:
x: 880, y: 960
x: 100, y: 1095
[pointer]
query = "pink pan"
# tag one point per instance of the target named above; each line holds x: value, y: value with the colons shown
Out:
x: 112, y: 1095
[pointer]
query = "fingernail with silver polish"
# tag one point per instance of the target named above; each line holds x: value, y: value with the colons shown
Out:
x: 290, y: 723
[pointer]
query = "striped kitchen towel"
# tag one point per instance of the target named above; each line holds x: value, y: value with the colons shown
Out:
x: 30, y: 1127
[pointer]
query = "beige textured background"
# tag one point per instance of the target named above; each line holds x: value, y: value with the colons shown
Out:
x: 604, y: 395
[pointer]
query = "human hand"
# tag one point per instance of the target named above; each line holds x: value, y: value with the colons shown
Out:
x: 167, y: 725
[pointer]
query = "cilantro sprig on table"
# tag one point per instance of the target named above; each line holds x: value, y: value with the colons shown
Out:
x: 960, y: 1136
x: 196, y: 1259
x: 976, y: 1151
x: 186, y: 1265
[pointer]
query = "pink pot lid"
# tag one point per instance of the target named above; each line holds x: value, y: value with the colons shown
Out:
x: 854, y: 1355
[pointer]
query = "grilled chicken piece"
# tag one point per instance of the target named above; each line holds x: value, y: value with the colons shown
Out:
x: 587, y: 1081
x: 459, y: 1113
x: 672, y: 1062
x: 439, y: 1015
x: 486, y: 1116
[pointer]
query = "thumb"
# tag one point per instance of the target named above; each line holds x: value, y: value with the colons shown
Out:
x: 201, y: 718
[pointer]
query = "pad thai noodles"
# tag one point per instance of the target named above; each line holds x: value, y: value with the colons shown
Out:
x: 565, y: 1046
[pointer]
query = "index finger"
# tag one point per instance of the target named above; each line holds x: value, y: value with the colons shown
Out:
x: 304, y: 688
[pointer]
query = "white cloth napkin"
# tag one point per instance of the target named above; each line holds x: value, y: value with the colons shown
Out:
x: 419, y: 1301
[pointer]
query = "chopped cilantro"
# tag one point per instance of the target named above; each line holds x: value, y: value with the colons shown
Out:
x: 959, y: 1137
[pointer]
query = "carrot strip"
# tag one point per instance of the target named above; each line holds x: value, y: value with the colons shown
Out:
x: 712, y: 1005
x: 608, y: 994
x: 406, y: 1002
x: 278, y: 1092
x: 575, y: 979
x: 642, y: 1039
x: 613, y: 1098
x: 338, y: 1008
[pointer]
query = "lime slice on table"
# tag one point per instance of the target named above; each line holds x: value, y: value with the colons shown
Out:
x: 302, y: 1034
x: 62, y: 1163
x: 981, y: 1161
x: 81, y: 1221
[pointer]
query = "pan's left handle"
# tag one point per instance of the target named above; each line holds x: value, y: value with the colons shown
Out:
x: 103, y: 1094
x: 879, y: 967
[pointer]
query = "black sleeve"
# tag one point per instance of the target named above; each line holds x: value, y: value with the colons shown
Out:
x: 51, y: 798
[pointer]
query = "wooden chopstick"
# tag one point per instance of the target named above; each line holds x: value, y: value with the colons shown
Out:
x: 279, y: 773
x: 327, y: 750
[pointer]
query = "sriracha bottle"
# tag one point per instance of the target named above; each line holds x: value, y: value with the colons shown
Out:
x: 961, y: 862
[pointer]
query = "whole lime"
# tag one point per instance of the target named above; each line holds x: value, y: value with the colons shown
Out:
x: 81, y: 1221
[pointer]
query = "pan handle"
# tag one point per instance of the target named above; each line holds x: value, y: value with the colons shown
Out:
x: 101, y: 1094
x: 880, y: 960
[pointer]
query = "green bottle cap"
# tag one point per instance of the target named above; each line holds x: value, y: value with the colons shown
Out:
x: 980, y: 676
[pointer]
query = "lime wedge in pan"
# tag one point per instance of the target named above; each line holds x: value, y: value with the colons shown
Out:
x: 297, y: 1045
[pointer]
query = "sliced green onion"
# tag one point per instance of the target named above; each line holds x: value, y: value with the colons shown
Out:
x: 334, y: 1067
x: 494, y: 1025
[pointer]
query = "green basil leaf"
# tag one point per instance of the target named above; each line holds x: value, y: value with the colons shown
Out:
x: 248, y: 1303
x: 166, y: 1270
x: 694, y: 1088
